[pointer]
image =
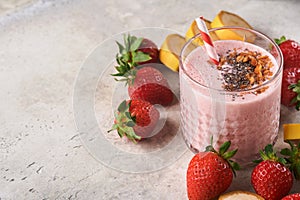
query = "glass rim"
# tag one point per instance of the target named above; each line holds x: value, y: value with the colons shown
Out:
x: 264, y: 36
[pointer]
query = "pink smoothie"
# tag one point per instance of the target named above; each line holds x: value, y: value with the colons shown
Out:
x: 249, y: 121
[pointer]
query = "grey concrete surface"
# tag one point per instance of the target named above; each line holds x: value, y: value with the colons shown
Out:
x: 43, y: 46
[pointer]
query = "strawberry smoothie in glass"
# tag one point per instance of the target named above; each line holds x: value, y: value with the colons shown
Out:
x: 237, y: 100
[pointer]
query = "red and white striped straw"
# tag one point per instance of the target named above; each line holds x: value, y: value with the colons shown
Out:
x: 210, y: 49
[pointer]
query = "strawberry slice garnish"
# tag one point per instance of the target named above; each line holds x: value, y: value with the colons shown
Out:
x: 135, y: 119
x: 290, y: 89
x: 271, y: 179
x: 210, y: 173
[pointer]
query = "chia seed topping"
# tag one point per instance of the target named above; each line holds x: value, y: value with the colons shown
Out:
x: 242, y: 70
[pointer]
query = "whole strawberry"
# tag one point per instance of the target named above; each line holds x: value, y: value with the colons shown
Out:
x: 295, y: 196
x: 150, y: 85
x: 290, y: 89
x: 210, y: 173
x: 291, y: 52
x: 271, y: 179
x: 135, y: 119
x: 144, y: 82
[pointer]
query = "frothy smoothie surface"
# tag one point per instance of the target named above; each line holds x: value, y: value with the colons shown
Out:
x: 243, y: 105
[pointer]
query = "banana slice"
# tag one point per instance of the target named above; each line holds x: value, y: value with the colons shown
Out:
x: 291, y: 131
x: 170, y: 51
x: 240, y: 195
x: 193, y: 30
x: 224, y: 18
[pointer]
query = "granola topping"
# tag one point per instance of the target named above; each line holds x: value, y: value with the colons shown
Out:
x: 242, y: 70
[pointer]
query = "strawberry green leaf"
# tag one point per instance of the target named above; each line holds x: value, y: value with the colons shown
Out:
x: 127, y: 114
x: 126, y: 57
x: 121, y: 48
x: 136, y: 44
x: 234, y: 165
x: 114, y: 127
x: 229, y: 154
x: 224, y: 147
x: 294, y: 100
x: 126, y: 42
x: 131, y: 40
x: 130, y: 124
x: 293, y: 159
x: 117, y: 74
x: 123, y: 106
x: 295, y: 88
x: 120, y: 69
x: 140, y: 57
x: 224, y: 154
x: 210, y: 149
x: 286, y: 152
x: 298, y: 106
x: 257, y: 161
x: 269, y: 154
x: 282, y: 160
x: 298, y: 97
x: 269, y: 149
x: 121, y: 133
x: 297, y: 171
x: 280, y: 40
x: 131, y: 134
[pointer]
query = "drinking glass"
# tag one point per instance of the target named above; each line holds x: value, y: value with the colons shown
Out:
x: 248, y: 118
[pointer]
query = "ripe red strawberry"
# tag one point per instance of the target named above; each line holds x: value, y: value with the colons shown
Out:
x: 291, y: 52
x: 271, y: 179
x: 210, y: 173
x: 146, y: 83
x: 290, y: 89
x: 150, y: 85
x: 135, y: 119
x: 295, y: 196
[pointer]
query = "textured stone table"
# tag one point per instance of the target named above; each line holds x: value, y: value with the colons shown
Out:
x: 42, y: 49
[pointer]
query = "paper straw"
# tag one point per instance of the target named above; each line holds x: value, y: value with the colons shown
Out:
x: 210, y: 49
